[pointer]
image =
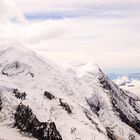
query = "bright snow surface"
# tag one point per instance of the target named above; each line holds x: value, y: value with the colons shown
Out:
x: 30, y: 73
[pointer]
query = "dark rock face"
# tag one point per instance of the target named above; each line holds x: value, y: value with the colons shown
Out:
x: 103, y: 81
x: 0, y: 103
x: 94, y: 105
x: 15, y: 68
x: 110, y: 134
x: 27, y: 122
x: 92, y: 121
x: 49, y: 95
x: 31, y: 74
x: 65, y: 106
x: 126, y: 104
x: 19, y: 95
x: 133, y: 103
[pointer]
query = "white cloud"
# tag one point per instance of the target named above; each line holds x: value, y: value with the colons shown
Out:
x: 109, y: 41
x: 10, y: 12
x: 64, y: 5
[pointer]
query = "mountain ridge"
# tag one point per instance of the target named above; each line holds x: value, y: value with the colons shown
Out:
x: 80, y: 107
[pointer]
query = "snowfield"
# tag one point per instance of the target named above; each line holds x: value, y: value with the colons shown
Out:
x: 134, y: 87
x: 40, y: 100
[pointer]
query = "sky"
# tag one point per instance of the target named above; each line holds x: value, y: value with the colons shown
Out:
x: 104, y: 32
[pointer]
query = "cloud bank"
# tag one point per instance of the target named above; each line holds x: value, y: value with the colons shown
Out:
x: 104, y: 32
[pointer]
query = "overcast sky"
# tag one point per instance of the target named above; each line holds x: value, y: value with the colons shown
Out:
x: 105, y: 32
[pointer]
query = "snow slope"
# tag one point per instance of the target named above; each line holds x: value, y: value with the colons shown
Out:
x: 82, y: 108
x: 23, y: 70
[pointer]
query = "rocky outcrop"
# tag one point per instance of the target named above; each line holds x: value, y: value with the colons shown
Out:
x: 27, y: 122
x: 94, y: 104
x: 14, y: 68
x: 65, y: 106
x: 0, y: 103
x: 49, y: 95
x: 92, y: 121
x: 19, y: 95
x: 110, y: 134
x: 124, y: 103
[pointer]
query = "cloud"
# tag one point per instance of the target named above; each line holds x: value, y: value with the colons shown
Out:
x: 64, y: 5
x: 109, y: 43
x: 43, y: 9
x: 9, y: 12
x: 104, y: 32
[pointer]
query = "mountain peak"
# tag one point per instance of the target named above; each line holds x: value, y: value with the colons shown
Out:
x: 38, y: 98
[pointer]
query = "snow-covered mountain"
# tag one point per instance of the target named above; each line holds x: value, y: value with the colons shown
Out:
x: 40, y: 100
x: 132, y: 86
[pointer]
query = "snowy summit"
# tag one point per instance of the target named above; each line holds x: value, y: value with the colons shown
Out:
x: 40, y: 100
